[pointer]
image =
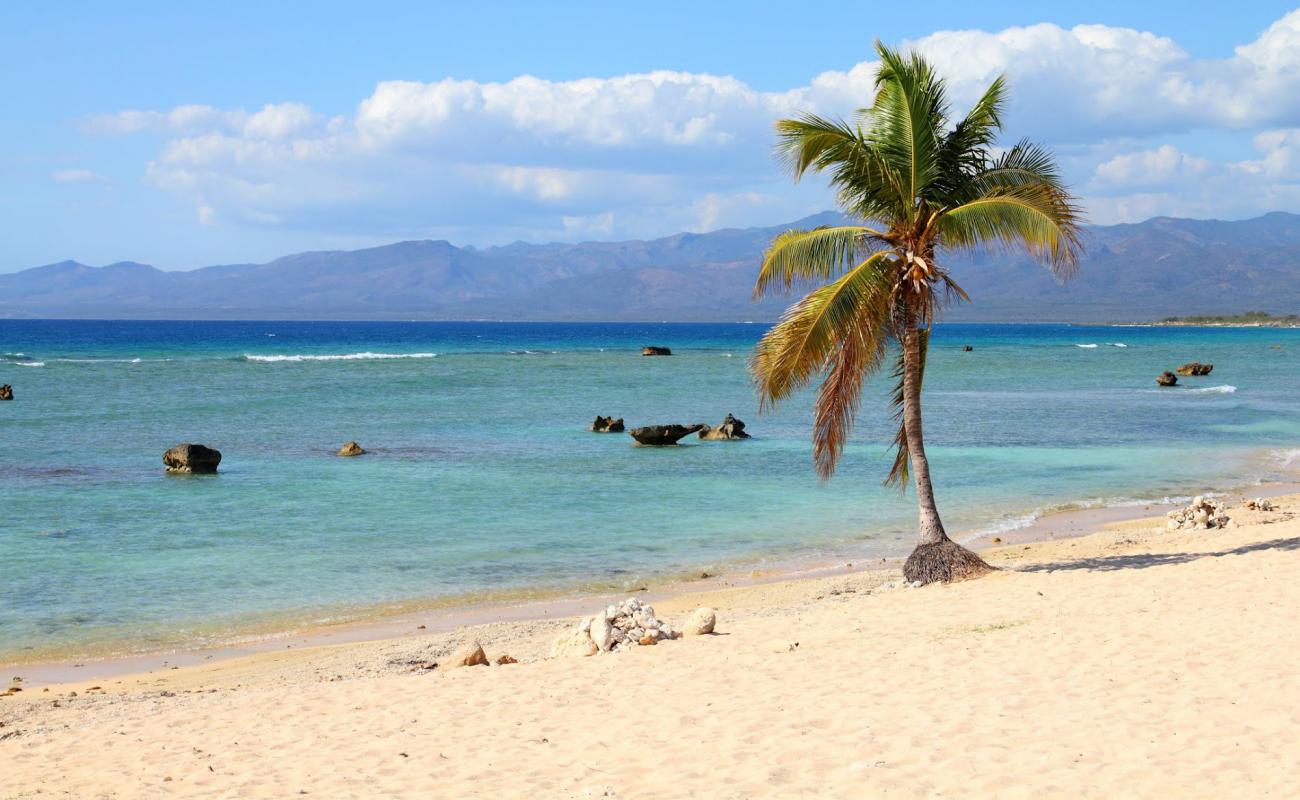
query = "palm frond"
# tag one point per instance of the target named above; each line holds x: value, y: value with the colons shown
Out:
x: 909, y: 112
x: 857, y: 355
x: 820, y: 254
x: 1044, y: 221
x: 801, y: 344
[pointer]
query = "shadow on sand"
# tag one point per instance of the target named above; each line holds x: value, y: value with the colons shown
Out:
x: 1144, y: 560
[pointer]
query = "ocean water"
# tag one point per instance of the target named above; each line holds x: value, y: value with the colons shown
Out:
x: 482, y: 480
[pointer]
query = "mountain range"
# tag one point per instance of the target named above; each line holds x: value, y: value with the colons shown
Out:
x: 1132, y: 272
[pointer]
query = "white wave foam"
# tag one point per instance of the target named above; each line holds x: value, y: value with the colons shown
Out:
x: 28, y: 363
x: 1224, y: 389
x: 341, y: 357
x: 105, y: 360
x: 1086, y: 346
x: 1286, y: 458
x: 1117, y: 344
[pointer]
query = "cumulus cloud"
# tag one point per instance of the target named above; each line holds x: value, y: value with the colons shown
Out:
x: 632, y: 154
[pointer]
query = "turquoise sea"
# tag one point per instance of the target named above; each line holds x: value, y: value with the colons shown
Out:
x: 482, y: 480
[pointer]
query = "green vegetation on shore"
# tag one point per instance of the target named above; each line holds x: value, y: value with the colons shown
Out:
x: 1250, y: 318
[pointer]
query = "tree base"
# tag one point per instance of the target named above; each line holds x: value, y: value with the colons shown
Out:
x: 943, y: 562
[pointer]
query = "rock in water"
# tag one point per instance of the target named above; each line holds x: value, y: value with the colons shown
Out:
x: 574, y: 643
x: 6, y: 392
x: 701, y: 622
x: 351, y: 449
x: 607, y: 425
x: 1195, y: 368
x: 967, y: 349
x: 1167, y: 379
x: 471, y: 655
x: 656, y: 351
x: 662, y: 435
x: 192, y: 458
x: 731, y: 428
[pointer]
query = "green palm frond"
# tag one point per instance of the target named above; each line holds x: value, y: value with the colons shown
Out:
x: 820, y: 254
x: 1043, y: 221
x: 907, y: 117
x: 800, y: 346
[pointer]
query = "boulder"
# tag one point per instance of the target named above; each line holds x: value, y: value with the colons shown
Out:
x: 967, y: 349
x: 573, y: 643
x: 607, y: 425
x: 351, y: 449
x: 192, y: 458
x: 701, y: 622
x: 471, y: 655
x: 1195, y: 368
x: 6, y: 392
x: 1167, y: 379
x: 731, y: 428
x: 662, y: 435
x: 656, y: 351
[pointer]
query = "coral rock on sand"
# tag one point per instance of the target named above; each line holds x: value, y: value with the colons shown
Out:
x: 1167, y: 379
x: 471, y: 655
x: 656, y: 351
x: 1195, y: 368
x: 1259, y: 504
x: 607, y: 425
x: 191, y: 458
x: 351, y: 449
x: 662, y: 435
x: 574, y: 643
x: 731, y: 428
x: 503, y: 659
x: 623, y: 625
x: 701, y: 622
x: 6, y: 392
x: 1201, y: 514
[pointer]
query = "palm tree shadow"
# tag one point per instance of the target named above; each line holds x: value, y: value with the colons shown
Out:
x: 1145, y: 560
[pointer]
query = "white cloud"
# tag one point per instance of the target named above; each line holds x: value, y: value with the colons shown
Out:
x: 77, y: 176
x: 632, y: 154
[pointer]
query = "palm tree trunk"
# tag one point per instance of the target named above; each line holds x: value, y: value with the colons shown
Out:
x: 936, y: 557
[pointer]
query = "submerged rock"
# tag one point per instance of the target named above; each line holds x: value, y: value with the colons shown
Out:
x: 6, y: 392
x: 663, y: 435
x: 351, y: 449
x: 1195, y: 368
x: 656, y: 351
x: 607, y: 425
x: 1167, y: 379
x: 730, y: 428
x: 192, y: 459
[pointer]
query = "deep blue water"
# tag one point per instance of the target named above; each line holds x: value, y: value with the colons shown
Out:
x: 483, y: 478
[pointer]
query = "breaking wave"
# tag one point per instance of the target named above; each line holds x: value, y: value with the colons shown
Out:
x: 339, y: 357
x: 1224, y: 389
x: 1087, y: 346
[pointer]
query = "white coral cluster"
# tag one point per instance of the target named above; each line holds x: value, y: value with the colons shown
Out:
x: 1260, y: 504
x: 1201, y: 514
x: 629, y: 623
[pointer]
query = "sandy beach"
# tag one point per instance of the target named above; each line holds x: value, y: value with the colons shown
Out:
x: 1134, y: 661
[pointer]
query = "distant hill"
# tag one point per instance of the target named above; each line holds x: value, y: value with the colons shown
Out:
x: 1144, y: 271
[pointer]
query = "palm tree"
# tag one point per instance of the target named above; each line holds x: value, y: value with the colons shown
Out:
x: 915, y: 180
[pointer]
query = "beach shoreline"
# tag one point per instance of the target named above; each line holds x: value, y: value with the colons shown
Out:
x: 446, y: 615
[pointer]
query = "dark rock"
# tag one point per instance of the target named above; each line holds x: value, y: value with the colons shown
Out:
x: 662, y: 435
x: 731, y: 428
x: 1195, y: 368
x: 192, y: 458
x: 351, y: 449
x: 1167, y: 379
x: 967, y: 349
x: 656, y: 351
x: 6, y: 392
x: 607, y: 425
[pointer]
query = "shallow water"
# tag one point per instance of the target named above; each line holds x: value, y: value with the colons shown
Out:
x: 481, y: 476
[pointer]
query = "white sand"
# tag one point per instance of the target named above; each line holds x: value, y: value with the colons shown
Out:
x: 1134, y: 662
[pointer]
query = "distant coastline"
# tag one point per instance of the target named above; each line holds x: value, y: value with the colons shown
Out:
x: 1250, y: 319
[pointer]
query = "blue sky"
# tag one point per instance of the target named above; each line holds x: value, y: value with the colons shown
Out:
x: 198, y: 133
